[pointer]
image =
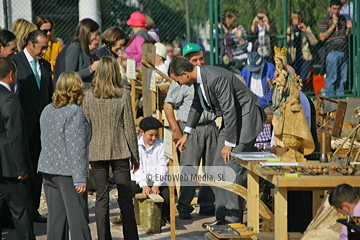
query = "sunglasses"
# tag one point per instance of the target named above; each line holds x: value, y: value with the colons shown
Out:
x: 46, y: 30
x: 297, y: 12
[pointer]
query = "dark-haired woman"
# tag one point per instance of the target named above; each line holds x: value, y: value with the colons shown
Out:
x: 78, y: 55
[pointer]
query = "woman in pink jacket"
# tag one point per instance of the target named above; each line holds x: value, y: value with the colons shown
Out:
x: 134, y: 49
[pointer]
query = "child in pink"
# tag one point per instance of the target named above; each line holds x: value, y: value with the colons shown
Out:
x: 134, y: 49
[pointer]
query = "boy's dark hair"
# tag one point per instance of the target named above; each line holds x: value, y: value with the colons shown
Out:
x: 149, y: 123
x: 343, y: 193
x: 335, y: 2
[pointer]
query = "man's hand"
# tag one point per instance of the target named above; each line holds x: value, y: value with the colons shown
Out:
x: 80, y: 188
x: 23, y: 177
x: 176, y: 133
x: 181, y: 142
x: 303, y: 28
x: 135, y: 166
x: 348, y: 24
x: 146, y: 190
x: 225, y: 153
x: 155, y: 190
x: 335, y: 19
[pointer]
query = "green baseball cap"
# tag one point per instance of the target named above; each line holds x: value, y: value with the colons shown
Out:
x: 191, y: 47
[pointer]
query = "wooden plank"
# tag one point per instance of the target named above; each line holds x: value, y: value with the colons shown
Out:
x: 140, y: 196
x: 156, y: 197
x: 148, y: 54
x: 270, y: 236
x: 317, y: 197
x: 281, y: 213
x: 316, y: 181
x: 253, y: 201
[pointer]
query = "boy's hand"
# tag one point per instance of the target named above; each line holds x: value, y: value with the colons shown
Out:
x: 155, y: 189
x: 146, y: 190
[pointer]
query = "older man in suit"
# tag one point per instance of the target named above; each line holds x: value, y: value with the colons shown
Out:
x: 15, y: 164
x: 35, y: 91
x: 221, y: 92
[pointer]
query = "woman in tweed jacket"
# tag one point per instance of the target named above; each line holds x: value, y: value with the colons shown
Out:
x: 65, y: 135
x: 107, y: 107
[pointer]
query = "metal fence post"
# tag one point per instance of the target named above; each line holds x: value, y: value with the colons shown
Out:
x: 211, y: 52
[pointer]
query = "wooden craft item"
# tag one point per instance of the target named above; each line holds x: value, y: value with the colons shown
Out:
x: 149, y: 65
x: 330, y: 115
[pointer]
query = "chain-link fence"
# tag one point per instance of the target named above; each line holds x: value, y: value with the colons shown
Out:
x: 181, y: 21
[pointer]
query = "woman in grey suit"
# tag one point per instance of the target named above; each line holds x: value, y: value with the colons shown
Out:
x: 78, y: 55
x: 65, y: 135
x: 107, y: 107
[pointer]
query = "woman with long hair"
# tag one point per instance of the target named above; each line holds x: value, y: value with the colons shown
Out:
x: 78, y: 55
x: 21, y: 28
x: 47, y: 25
x: 107, y: 107
x: 63, y: 161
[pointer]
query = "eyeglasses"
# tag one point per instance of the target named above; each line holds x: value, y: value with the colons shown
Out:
x: 297, y: 12
x: 46, y: 30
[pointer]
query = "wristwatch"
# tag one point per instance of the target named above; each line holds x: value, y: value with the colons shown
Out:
x: 187, y: 133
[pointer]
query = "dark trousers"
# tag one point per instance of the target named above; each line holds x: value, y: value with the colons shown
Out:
x: 67, y: 210
x: 164, y: 193
x: 200, y: 145
x: 228, y: 205
x: 121, y: 170
x: 16, y: 194
x: 36, y: 179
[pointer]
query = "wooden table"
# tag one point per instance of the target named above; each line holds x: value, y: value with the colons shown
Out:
x: 282, y: 184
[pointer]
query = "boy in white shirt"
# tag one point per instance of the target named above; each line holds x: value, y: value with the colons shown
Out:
x: 150, y: 177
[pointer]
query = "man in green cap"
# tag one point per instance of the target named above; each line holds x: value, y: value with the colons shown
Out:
x: 194, y: 54
x: 203, y: 142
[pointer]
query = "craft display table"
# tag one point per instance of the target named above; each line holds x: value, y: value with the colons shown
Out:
x: 316, y: 183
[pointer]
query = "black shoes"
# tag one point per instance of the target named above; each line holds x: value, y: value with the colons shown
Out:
x: 40, y: 218
x: 216, y: 222
x: 184, y: 215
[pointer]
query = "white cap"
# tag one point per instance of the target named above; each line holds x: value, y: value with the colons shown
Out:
x: 160, y: 49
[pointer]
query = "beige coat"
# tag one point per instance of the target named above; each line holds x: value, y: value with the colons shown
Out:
x: 306, y: 39
x: 113, y: 134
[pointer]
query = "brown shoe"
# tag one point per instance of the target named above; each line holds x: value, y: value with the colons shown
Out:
x: 116, y: 220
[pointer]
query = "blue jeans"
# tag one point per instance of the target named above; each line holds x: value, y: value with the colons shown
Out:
x: 336, y: 73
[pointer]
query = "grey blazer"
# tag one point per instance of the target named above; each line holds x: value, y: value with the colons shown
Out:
x: 240, y: 109
x: 77, y: 61
x: 65, y: 136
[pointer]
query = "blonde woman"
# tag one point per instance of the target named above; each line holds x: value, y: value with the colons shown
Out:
x: 107, y: 107
x: 21, y: 28
x: 63, y: 160
x: 47, y: 25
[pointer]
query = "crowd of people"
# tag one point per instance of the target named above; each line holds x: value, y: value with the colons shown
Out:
x: 64, y: 110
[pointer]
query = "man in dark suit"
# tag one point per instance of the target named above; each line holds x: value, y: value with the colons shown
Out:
x: 15, y: 163
x: 35, y: 91
x: 221, y: 92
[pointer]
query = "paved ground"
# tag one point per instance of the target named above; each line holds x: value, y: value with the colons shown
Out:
x: 185, y: 229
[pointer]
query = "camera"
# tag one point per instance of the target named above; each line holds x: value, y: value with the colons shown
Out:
x: 260, y: 17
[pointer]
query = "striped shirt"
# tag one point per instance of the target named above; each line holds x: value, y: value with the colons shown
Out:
x: 238, y: 49
x: 181, y: 97
x: 337, y: 41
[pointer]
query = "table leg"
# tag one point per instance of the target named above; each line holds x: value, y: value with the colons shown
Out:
x: 253, y: 201
x: 281, y: 214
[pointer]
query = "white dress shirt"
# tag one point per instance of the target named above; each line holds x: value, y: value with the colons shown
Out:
x: 5, y: 85
x: 30, y: 59
x: 153, y: 164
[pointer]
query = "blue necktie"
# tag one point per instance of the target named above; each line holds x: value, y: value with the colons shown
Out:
x: 201, y: 98
x: 36, y: 74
